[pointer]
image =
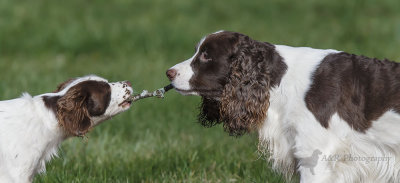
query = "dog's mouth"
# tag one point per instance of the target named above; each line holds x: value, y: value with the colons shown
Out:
x: 126, y: 103
x: 186, y: 92
x: 210, y: 93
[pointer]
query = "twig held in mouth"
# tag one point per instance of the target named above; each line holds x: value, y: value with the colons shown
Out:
x: 145, y: 94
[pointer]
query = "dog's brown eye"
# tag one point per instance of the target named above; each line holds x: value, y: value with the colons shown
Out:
x: 204, y: 58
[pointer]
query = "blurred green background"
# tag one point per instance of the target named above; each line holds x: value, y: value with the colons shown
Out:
x: 44, y: 42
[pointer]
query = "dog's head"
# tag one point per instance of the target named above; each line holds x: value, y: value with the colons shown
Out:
x: 82, y: 103
x: 233, y: 74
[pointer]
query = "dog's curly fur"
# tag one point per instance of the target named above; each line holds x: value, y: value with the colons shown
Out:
x: 244, y: 101
x: 72, y: 112
x: 327, y: 100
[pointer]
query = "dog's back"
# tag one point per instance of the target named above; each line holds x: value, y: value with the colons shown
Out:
x: 23, y: 123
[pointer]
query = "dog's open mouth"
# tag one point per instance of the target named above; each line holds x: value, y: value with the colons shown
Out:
x: 126, y: 103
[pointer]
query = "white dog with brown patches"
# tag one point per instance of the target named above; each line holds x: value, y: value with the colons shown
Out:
x: 32, y: 128
x: 301, y: 101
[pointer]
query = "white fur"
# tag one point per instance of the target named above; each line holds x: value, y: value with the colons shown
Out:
x: 184, y: 73
x: 30, y: 134
x: 291, y: 133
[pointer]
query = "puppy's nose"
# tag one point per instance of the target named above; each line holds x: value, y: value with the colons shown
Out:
x: 171, y: 73
x: 128, y: 83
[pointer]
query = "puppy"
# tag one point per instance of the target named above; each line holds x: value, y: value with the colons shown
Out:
x: 32, y: 128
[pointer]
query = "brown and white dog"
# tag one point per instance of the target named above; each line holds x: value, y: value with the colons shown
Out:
x: 32, y: 128
x: 341, y: 107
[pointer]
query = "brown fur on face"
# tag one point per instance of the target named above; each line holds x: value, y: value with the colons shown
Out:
x: 254, y: 67
x: 82, y: 101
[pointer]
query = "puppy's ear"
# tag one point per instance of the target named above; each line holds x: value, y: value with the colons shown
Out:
x: 245, y: 98
x: 72, y: 111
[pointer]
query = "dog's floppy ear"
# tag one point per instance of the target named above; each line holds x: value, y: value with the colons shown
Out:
x: 245, y: 99
x: 72, y: 111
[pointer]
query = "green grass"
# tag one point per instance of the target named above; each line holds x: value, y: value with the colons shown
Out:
x: 45, y: 42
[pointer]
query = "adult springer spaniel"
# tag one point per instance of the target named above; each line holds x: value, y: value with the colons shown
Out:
x: 32, y: 128
x: 300, y: 101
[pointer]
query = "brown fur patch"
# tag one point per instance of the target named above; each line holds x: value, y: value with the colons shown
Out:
x: 234, y: 81
x: 359, y: 89
x: 81, y: 102
x: 72, y: 112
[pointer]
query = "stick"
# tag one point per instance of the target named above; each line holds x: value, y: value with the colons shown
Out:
x: 145, y: 94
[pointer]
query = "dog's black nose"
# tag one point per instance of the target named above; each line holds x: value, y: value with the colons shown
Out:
x: 171, y: 73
